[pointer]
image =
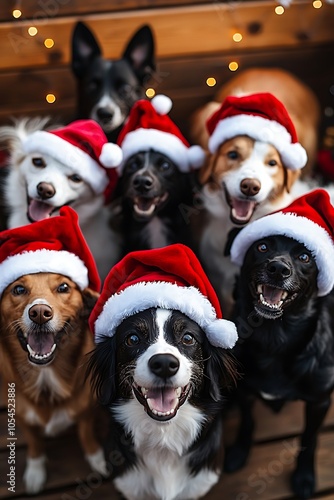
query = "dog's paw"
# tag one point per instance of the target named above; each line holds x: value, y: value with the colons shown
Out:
x: 235, y: 458
x: 34, y: 476
x: 98, y: 462
x: 303, y: 483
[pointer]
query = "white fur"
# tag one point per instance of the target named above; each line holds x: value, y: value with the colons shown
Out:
x: 97, y: 462
x: 34, y: 476
x: 59, y: 421
x: 47, y: 380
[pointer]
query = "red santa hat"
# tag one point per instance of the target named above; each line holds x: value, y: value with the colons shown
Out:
x: 48, y: 246
x: 309, y: 220
x: 170, y: 278
x: 83, y: 146
x: 149, y: 127
x: 261, y: 117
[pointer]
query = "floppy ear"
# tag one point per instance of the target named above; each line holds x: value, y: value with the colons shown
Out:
x: 221, y: 372
x: 84, y: 49
x: 290, y: 177
x: 230, y: 238
x: 101, y: 369
x: 140, y: 53
x: 205, y: 172
x: 89, y: 299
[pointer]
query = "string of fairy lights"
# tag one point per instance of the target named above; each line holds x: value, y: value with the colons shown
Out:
x: 236, y: 37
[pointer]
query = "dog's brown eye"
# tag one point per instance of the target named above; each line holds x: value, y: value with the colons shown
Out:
x: 63, y: 288
x: 304, y: 257
x: 132, y: 340
x: 19, y: 290
x: 188, y: 339
x: 39, y: 162
x: 272, y: 163
x: 232, y: 155
x: 262, y: 247
x: 75, y: 178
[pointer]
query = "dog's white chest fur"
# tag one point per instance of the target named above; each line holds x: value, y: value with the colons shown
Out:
x: 162, y: 470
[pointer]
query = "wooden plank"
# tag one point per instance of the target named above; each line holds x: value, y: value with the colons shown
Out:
x: 185, y: 31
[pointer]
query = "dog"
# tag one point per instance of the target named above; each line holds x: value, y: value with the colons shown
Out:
x: 107, y: 89
x: 246, y: 176
x: 162, y: 373
x: 36, y: 185
x: 44, y: 338
x: 284, y: 315
x: 148, y: 202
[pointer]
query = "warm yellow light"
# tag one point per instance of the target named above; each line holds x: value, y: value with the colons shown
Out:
x: 317, y: 4
x: 17, y: 13
x: 233, y: 66
x: 211, y: 82
x: 279, y: 10
x: 50, y: 98
x: 150, y: 92
x: 49, y: 43
x: 237, y: 37
x: 32, y: 31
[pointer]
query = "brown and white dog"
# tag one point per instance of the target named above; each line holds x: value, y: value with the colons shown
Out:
x: 44, y: 338
x: 249, y: 173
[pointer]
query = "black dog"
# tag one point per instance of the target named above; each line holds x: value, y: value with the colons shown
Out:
x: 152, y: 198
x: 163, y: 382
x: 286, y: 346
x: 108, y: 89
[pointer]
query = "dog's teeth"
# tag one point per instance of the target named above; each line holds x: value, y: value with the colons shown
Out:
x: 284, y: 295
x: 53, y: 348
x: 144, y: 391
x: 259, y: 289
x: 31, y: 352
x: 178, y: 392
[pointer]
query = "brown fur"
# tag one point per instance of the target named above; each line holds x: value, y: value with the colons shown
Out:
x: 67, y: 389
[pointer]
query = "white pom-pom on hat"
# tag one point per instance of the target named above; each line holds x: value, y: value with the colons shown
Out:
x: 196, y: 156
x: 111, y: 155
x: 162, y: 104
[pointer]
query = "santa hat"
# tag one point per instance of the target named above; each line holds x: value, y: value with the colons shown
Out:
x: 170, y: 278
x: 309, y: 220
x: 261, y: 117
x: 54, y: 245
x: 83, y: 146
x: 149, y: 127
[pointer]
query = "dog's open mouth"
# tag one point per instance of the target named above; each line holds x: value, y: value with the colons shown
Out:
x: 39, y: 210
x: 241, y: 209
x: 145, y: 207
x: 41, y: 346
x: 161, y: 403
x: 271, y: 301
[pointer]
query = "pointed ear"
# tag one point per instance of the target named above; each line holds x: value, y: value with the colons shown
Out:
x: 140, y: 53
x: 84, y: 48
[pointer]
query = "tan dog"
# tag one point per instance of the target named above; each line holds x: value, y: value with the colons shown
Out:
x: 44, y: 339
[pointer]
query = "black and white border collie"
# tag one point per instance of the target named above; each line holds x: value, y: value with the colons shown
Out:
x: 163, y: 383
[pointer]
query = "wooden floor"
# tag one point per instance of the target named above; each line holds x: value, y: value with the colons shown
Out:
x: 265, y: 477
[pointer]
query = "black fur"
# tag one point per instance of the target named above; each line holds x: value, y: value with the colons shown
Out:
x: 113, y: 362
x: 122, y: 80
x: 287, y: 352
x: 146, y: 176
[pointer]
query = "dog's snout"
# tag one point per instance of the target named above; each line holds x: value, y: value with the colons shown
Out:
x: 278, y: 269
x: 104, y: 114
x: 250, y: 186
x: 45, y: 190
x: 40, y: 313
x: 143, y: 182
x: 164, y: 365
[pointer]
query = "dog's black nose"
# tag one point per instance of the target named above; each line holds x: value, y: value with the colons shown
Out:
x: 142, y: 182
x: 164, y: 365
x: 45, y: 190
x: 104, y: 114
x: 278, y: 269
x: 250, y: 187
x: 40, y: 313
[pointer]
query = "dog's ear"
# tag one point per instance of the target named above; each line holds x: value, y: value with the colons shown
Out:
x: 101, y: 369
x: 89, y: 300
x: 221, y: 372
x: 205, y: 172
x: 84, y: 48
x: 230, y: 238
x: 290, y: 177
x: 140, y: 53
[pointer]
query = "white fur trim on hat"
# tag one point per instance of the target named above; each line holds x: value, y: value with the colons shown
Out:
x: 188, y: 300
x: 43, y: 261
x: 143, y: 139
x: 44, y: 142
x: 315, y: 238
x: 111, y: 155
x: 162, y: 104
x: 261, y: 129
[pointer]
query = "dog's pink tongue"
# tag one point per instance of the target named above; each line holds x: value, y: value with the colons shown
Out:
x: 40, y: 343
x: 39, y: 210
x: 242, y: 209
x: 162, y: 399
x: 272, y: 295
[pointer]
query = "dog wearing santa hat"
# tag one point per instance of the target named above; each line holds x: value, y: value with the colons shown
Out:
x: 161, y: 365
x: 155, y: 188
x: 48, y: 286
x: 284, y: 315
x: 71, y: 165
x: 254, y: 163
